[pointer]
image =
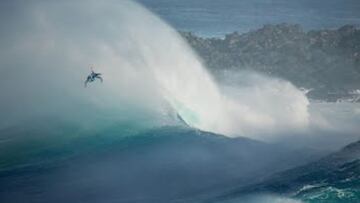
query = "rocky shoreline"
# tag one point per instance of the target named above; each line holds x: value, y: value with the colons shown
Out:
x: 325, y: 61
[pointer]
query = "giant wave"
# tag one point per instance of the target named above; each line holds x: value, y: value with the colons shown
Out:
x: 151, y: 75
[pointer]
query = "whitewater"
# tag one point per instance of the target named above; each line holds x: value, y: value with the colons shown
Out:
x: 150, y: 74
x: 124, y: 140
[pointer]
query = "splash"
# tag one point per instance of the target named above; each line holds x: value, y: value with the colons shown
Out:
x: 266, y: 198
x: 147, y: 68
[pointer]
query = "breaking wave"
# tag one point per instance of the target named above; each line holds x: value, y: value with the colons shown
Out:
x: 150, y: 74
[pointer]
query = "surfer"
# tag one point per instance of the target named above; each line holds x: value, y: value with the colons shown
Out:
x: 92, y: 77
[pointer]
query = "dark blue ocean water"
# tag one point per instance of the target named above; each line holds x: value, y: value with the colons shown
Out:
x: 218, y: 17
x: 169, y: 164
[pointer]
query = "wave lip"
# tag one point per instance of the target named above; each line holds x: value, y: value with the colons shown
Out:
x: 148, y: 70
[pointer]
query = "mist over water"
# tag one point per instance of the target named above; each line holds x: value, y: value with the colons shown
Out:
x: 150, y: 74
x: 263, y: 198
x: 61, y: 141
x: 265, y: 107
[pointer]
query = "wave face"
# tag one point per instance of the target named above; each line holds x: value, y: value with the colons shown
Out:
x: 168, y: 164
x: 150, y: 73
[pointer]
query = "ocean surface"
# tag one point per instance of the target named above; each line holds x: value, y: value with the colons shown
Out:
x: 159, y: 128
x: 219, y: 17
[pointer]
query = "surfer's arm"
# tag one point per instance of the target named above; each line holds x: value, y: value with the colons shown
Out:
x: 100, y: 78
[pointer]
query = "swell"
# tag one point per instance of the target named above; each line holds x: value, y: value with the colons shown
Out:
x: 183, y: 163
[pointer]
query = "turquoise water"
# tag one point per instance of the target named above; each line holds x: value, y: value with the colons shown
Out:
x: 102, y: 149
x: 332, y: 194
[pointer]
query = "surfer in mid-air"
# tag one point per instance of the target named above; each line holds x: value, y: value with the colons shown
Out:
x: 92, y: 77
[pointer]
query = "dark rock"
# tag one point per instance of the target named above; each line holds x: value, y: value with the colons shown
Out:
x: 327, y: 61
